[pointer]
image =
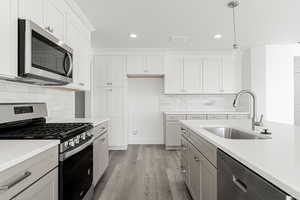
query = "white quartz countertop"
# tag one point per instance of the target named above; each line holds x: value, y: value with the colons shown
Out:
x: 13, y: 152
x: 94, y: 121
x: 276, y: 159
x: 203, y: 112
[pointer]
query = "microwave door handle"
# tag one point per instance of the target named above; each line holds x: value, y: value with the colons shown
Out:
x: 71, y: 64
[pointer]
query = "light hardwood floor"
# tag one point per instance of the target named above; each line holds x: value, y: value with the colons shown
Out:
x: 143, y: 172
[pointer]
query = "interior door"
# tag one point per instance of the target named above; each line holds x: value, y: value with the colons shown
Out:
x: 173, y: 74
x: 212, y: 75
x: 193, y: 74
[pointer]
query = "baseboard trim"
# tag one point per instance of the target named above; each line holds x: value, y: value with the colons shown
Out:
x: 118, y: 148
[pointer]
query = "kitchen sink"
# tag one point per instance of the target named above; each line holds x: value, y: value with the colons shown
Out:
x: 231, y: 133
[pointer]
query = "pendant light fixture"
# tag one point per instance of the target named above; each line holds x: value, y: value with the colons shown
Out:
x: 233, y: 4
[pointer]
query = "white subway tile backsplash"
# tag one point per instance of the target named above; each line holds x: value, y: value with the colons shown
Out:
x: 60, y: 103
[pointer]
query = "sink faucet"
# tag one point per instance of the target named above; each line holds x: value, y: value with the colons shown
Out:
x: 251, y: 94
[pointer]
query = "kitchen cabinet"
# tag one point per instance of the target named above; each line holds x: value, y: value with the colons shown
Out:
x: 193, y: 74
x: 46, y: 188
x: 201, y: 75
x: 108, y: 96
x: 54, y: 18
x: 110, y: 71
x: 49, y: 14
x: 200, y: 174
x: 173, y: 75
x: 100, y: 149
x: 172, y: 131
x: 212, y: 75
x: 32, y: 177
x: 8, y: 38
x: 145, y: 65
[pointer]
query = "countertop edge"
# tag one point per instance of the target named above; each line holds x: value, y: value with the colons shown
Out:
x: 29, y: 155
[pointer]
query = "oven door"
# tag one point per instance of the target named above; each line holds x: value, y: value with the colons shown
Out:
x: 42, y: 56
x: 76, y: 173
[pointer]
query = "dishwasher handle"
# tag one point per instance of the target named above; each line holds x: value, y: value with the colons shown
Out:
x: 242, y: 186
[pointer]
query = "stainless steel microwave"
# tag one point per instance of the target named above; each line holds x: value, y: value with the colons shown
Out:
x: 42, y: 58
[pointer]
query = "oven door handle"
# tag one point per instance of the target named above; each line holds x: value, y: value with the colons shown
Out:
x: 68, y: 154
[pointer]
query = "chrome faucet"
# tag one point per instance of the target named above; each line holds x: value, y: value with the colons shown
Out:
x: 251, y: 94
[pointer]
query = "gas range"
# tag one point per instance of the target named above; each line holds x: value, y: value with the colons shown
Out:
x: 28, y: 121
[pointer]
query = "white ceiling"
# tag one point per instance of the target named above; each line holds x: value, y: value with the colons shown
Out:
x: 259, y: 22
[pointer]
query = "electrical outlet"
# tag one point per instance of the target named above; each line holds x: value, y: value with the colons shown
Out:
x: 134, y: 132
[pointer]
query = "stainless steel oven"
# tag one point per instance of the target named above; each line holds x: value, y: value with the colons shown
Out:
x: 76, y: 173
x: 42, y: 58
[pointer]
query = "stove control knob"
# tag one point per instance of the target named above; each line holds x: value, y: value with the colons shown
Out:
x: 89, y: 134
x: 77, y: 140
x: 71, y: 143
x: 83, y: 136
x: 66, y: 144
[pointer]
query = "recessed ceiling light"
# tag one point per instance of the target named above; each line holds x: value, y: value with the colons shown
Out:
x: 133, y: 35
x: 218, y: 36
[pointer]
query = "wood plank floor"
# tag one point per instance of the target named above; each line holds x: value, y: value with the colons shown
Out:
x: 143, y: 172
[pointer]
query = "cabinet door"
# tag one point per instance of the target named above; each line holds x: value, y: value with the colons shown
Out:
x: 173, y: 134
x: 46, y: 188
x: 115, y: 100
x: 212, y: 75
x: 8, y: 37
x: 116, y: 71
x: 100, y: 102
x: 54, y: 18
x: 100, y: 149
x: 136, y: 65
x: 100, y: 67
x: 116, y: 137
x: 231, y: 75
x: 32, y: 10
x: 173, y: 74
x: 192, y: 74
x: 154, y: 65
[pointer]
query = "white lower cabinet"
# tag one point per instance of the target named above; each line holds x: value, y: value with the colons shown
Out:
x: 44, y: 189
x: 172, y: 131
x: 100, y: 154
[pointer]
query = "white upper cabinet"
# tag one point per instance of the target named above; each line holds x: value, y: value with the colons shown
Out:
x: 109, y: 71
x: 212, y: 75
x: 54, y: 16
x: 32, y: 10
x: 8, y: 38
x: 141, y: 65
x: 202, y: 75
x: 174, y: 74
x: 48, y: 14
x: 193, y: 74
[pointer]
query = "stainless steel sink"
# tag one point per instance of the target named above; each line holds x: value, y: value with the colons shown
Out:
x: 231, y: 133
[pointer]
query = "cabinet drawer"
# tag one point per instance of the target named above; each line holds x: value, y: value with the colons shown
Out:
x: 26, y: 173
x: 217, y: 116
x: 207, y: 149
x: 197, y: 117
x: 238, y: 116
x: 175, y: 117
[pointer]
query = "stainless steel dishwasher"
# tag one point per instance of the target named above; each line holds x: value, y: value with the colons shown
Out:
x: 237, y: 182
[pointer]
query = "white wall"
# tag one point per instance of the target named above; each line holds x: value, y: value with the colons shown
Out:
x: 272, y: 80
x: 147, y: 102
x: 145, y: 118
x: 60, y: 102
